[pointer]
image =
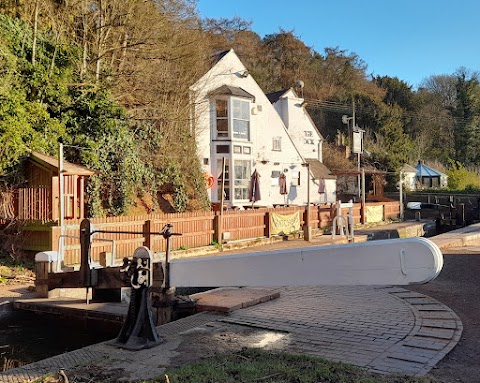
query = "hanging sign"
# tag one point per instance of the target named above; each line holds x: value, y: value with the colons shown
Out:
x: 283, y: 224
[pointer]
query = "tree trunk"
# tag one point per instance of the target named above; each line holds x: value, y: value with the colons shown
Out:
x: 83, y: 69
x: 35, y: 26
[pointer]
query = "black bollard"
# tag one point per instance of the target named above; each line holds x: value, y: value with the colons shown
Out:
x: 139, y: 332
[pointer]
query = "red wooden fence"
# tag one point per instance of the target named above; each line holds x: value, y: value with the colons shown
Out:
x: 197, y: 229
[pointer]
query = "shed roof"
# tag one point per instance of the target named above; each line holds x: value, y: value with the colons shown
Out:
x: 426, y: 171
x: 52, y: 163
x: 319, y: 170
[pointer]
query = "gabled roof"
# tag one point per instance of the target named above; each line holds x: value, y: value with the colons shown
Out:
x: 52, y: 163
x: 217, y: 56
x: 228, y: 90
x: 275, y: 96
x: 426, y: 171
x: 319, y: 170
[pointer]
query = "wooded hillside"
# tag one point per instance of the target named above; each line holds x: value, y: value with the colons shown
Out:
x: 112, y: 79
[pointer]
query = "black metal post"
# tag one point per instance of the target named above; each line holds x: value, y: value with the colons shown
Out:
x: 85, y: 241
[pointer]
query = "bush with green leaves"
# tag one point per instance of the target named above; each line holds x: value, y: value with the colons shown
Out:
x: 460, y: 178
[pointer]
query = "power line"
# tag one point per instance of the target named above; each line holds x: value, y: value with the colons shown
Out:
x: 339, y: 107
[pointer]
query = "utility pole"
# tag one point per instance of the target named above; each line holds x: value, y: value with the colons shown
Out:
x: 61, y: 203
x: 401, y: 195
x: 358, y: 152
x: 307, y: 234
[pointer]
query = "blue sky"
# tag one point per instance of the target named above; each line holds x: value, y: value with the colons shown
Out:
x: 409, y: 39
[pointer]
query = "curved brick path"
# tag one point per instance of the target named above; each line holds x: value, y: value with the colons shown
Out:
x: 387, y: 330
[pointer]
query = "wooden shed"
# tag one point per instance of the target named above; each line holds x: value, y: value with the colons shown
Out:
x: 38, y: 198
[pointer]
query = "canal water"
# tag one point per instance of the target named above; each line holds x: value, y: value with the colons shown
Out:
x: 26, y: 337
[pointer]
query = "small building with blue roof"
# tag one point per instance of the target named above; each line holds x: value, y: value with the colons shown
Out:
x: 422, y: 176
x: 429, y: 178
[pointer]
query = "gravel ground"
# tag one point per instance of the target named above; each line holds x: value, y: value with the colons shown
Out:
x: 458, y: 287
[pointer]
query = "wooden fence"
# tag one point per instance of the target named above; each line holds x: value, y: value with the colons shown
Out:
x: 197, y: 229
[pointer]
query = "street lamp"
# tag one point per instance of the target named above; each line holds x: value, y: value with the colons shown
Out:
x: 346, y: 119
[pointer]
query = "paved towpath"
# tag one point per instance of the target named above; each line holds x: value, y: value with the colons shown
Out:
x: 387, y: 330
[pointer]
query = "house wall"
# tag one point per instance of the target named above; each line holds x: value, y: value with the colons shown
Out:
x: 409, y: 182
x: 265, y: 124
x: 300, y: 126
x: 444, y: 181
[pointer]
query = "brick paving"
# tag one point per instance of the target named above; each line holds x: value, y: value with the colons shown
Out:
x: 386, y: 330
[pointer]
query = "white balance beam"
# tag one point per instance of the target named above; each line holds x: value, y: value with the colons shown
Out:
x: 384, y: 262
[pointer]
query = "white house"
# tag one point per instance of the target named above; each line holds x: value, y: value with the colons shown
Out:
x: 236, y: 125
x: 305, y: 136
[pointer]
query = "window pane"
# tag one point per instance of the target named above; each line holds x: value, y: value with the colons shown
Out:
x: 219, y: 170
x: 242, y: 179
x: 222, y: 109
x: 222, y: 127
x: 245, y: 111
x: 223, y: 149
x: 241, y: 193
x: 240, y: 171
x: 237, y: 106
x: 241, y: 109
x: 277, y: 143
x: 240, y: 129
x: 241, y: 119
x: 226, y: 195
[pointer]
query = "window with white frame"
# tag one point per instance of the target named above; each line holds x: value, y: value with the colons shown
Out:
x: 277, y: 144
x: 241, y: 179
x: 221, y: 110
x: 241, y: 119
x: 232, y: 118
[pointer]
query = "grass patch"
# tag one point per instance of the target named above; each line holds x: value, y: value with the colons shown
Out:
x: 258, y: 366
